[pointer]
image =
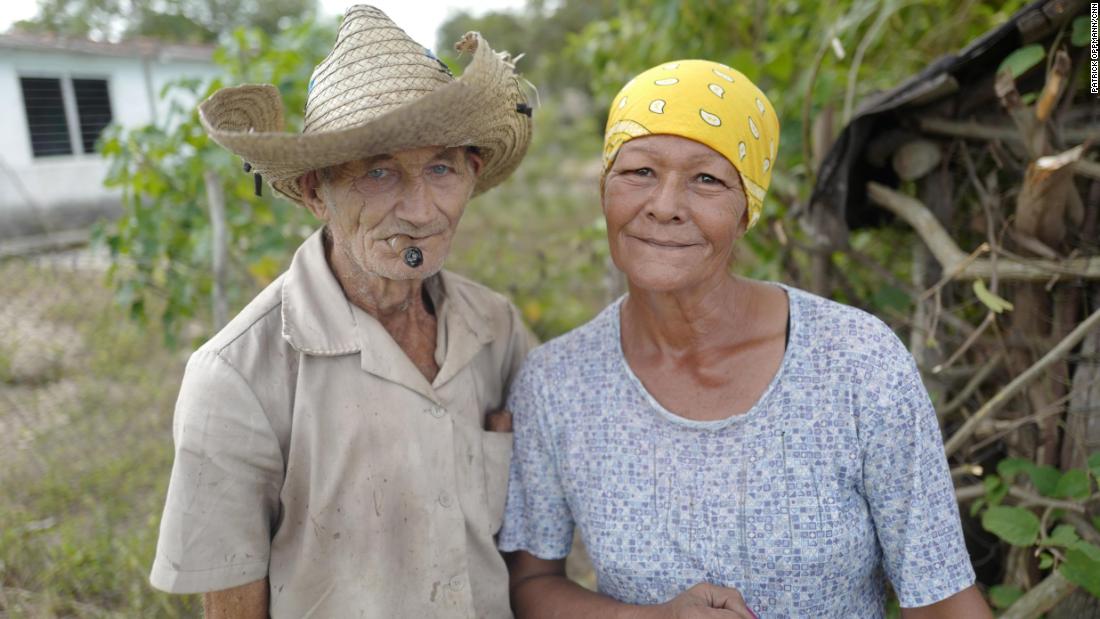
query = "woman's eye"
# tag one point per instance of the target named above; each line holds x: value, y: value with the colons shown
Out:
x: 643, y: 172
x: 708, y: 179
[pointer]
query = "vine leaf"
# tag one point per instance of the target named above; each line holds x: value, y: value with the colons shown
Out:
x: 1015, y: 525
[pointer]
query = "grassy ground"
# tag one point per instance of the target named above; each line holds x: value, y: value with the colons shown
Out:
x: 85, y: 448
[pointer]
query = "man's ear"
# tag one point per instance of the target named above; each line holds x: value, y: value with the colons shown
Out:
x: 476, y: 162
x: 309, y: 184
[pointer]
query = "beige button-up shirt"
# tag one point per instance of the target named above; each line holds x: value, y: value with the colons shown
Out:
x: 310, y: 450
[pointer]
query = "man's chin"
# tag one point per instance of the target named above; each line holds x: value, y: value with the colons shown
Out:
x: 403, y: 272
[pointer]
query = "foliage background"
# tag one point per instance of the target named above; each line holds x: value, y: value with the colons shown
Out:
x: 77, y: 533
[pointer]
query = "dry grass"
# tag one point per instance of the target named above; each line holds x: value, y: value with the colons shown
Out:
x: 85, y: 447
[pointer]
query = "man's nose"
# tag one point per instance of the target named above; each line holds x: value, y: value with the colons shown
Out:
x: 416, y: 205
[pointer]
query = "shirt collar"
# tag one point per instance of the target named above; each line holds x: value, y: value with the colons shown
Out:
x: 318, y: 319
x: 317, y: 316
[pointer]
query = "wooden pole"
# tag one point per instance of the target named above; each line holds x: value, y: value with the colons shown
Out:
x: 215, y: 196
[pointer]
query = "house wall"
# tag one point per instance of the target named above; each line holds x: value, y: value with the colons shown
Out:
x: 66, y: 191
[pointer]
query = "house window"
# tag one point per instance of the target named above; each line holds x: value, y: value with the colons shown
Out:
x: 45, y: 107
x: 93, y: 106
x: 65, y: 115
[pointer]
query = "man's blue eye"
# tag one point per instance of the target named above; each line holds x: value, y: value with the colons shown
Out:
x: 440, y: 169
x: 377, y: 173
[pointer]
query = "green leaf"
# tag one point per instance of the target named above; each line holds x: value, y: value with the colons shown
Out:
x: 1010, y: 467
x: 1094, y: 464
x: 1074, y: 484
x: 1063, y: 535
x: 995, y: 489
x: 1045, y: 561
x: 1015, y: 525
x: 1082, y: 569
x: 1004, y: 596
x: 996, y: 304
x: 1046, y: 479
x: 1019, y: 61
x: 1090, y: 550
x: 1081, y: 34
x: 977, y: 506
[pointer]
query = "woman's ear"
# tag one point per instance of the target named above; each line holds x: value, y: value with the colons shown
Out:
x: 310, y: 185
x: 743, y: 223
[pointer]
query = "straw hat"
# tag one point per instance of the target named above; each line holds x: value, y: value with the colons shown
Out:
x: 377, y: 92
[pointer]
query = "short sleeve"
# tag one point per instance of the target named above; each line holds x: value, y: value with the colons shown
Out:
x: 537, y: 517
x: 907, y: 485
x: 223, y: 496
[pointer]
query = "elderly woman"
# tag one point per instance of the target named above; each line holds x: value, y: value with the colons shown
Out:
x: 728, y: 447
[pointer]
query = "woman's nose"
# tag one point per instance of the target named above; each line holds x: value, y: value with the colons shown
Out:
x: 665, y: 205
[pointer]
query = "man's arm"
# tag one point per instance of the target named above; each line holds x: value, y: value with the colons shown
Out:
x: 244, y: 602
x: 966, y: 604
x: 540, y: 589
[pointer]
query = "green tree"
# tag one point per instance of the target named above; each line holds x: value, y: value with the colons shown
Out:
x: 162, y: 243
x: 540, y: 32
x: 196, y: 21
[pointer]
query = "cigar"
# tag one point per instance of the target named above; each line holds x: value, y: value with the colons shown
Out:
x: 413, y: 256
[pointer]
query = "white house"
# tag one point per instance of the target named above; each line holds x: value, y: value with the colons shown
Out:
x: 57, y: 96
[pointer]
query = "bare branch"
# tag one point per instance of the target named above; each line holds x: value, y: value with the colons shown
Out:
x: 1060, y: 350
x: 1041, y: 598
x: 943, y: 247
x: 980, y: 131
x: 1052, y: 89
x: 1024, y: 498
x: 972, y: 385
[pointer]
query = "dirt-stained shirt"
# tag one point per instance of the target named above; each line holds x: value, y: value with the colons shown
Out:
x: 310, y: 450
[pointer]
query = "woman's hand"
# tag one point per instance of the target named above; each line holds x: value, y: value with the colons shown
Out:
x: 540, y: 590
x: 703, y: 601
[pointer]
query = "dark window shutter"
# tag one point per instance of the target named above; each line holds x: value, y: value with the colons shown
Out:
x: 93, y: 104
x: 45, y: 108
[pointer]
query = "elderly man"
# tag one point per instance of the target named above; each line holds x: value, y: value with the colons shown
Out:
x: 335, y: 452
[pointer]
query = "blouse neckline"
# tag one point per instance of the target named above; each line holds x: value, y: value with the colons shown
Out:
x: 756, y: 410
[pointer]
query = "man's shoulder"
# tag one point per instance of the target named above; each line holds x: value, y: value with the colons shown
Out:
x: 259, y: 321
x: 486, y: 304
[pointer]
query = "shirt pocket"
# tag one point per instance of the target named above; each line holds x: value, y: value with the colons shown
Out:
x: 496, y: 448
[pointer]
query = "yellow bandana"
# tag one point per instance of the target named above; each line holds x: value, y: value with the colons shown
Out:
x: 703, y: 101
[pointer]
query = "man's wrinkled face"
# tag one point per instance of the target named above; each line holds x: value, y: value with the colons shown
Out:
x: 377, y: 207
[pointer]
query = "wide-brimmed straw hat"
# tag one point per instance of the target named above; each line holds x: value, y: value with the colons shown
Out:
x: 378, y: 92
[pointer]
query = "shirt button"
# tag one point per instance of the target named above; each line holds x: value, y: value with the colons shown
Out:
x: 457, y: 584
x: 438, y: 411
x: 445, y: 499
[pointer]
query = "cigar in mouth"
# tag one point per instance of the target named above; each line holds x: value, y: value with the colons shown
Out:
x: 413, y: 256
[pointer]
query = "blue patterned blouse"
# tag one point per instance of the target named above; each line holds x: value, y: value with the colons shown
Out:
x: 832, y: 482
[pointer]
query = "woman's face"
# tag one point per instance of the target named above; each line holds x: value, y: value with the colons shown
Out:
x: 674, y: 209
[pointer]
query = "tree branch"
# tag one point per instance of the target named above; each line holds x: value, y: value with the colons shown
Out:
x: 948, y: 254
x: 1004, y: 133
x: 1060, y: 350
x: 1041, y: 598
x: 1024, y: 498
